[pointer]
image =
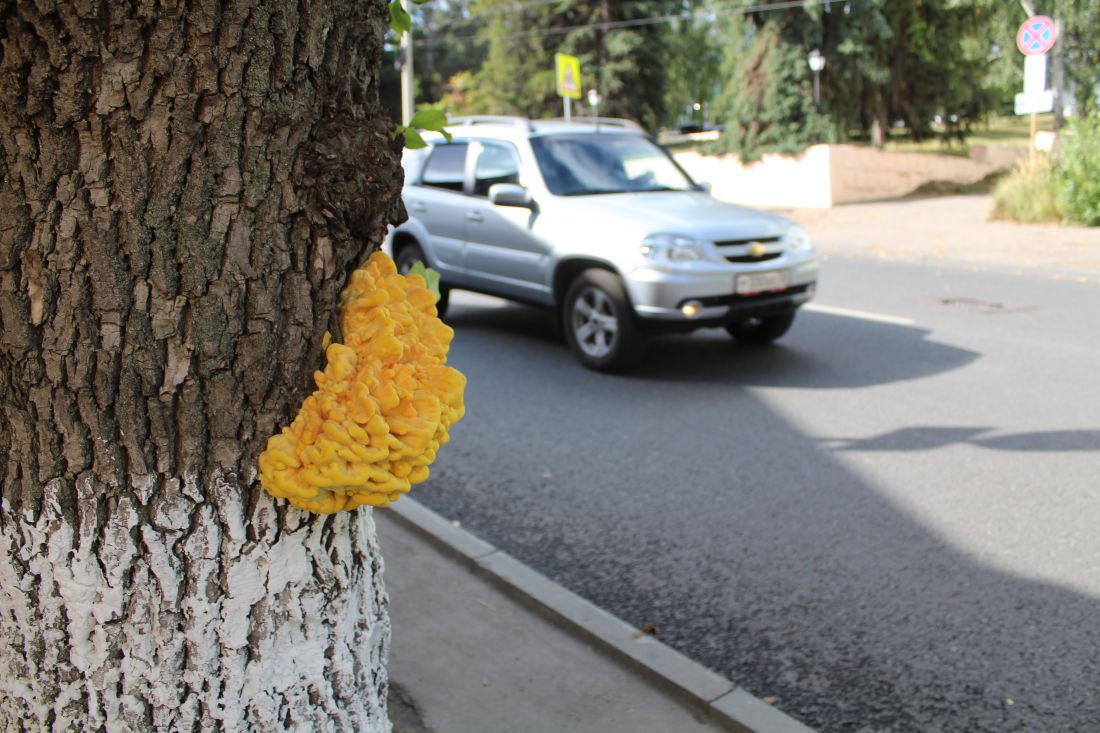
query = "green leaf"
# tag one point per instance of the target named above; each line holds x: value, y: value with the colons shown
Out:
x: 431, y: 277
x: 413, y: 140
x: 400, y: 22
x: 429, y: 118
x: 397, y: 131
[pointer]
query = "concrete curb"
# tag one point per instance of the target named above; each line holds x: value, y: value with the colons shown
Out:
x: 692, y: 683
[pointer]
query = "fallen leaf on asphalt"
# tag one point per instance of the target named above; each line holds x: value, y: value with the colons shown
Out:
x: 649, y: 629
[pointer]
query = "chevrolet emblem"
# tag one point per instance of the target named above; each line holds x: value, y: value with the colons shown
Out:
x: 756, y: 249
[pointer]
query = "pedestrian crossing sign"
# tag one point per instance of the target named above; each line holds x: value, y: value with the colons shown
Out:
x: 569, y: 75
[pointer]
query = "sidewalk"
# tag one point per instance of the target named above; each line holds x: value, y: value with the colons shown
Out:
x: 952, y: 228
x: 483, y: 644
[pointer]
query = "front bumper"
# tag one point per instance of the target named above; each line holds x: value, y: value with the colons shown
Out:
x: 658, y: 296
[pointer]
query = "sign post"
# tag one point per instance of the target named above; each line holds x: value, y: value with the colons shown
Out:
x: 569, y: 80
x: 1034, y: 39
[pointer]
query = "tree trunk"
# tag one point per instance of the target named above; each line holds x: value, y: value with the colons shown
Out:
x: 183, y: 190
x: 878, y: 120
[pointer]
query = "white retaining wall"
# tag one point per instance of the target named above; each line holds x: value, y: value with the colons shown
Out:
x: 826, y: 175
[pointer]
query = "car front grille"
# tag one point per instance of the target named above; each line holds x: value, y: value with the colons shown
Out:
x: 737, y: 250
x: 750, y: 259
x: 745, y: 242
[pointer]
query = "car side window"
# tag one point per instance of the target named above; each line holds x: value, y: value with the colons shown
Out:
x: 446, y: 168
x: 496, y: 163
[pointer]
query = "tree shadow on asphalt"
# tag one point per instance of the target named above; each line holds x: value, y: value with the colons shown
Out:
x: 933, y: 437
x: 752, y: 548
x: 873, y: 353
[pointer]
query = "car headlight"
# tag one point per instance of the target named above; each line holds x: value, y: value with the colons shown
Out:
x: 796, y: 239
x: 673, y: 248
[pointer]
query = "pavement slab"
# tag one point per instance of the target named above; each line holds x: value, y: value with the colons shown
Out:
x: 484, y: 644
x: 952, y: 228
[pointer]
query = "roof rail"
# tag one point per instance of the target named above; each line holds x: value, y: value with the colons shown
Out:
x: 490, y: 120
x: 608, y: 121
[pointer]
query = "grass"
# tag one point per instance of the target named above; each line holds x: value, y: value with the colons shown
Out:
x: 1011, y: 131
x: 1026, y: 195
x: 952, y: 188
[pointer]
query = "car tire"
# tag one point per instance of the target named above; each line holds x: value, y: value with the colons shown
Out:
x: 761, y: 331
x: 599, y: 322
x: 408, y: 256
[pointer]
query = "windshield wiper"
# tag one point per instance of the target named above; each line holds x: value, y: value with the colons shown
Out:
x: 602, y: 191
x: 595, y: 191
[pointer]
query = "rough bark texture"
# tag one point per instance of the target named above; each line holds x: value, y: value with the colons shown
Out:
x: 183, y: 188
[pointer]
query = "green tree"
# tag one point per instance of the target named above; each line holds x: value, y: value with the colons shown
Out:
x: 767, y: 102
x: 887, y: 61
x: 693, y: 64
x: 448, y: 40
x: 626, y: 64
x: 622, y: 54
x: 1079, y: 48
x: 517, y: 77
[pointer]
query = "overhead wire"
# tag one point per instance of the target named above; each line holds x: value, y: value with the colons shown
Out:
x: 630, y: 23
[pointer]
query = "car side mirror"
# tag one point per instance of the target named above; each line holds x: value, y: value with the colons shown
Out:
x: 509, y: 194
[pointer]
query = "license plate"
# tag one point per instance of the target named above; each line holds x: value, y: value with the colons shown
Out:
x: 762, y: 282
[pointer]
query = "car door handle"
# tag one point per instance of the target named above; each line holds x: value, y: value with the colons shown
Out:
x: 473, y: 216
x: 418, y: 207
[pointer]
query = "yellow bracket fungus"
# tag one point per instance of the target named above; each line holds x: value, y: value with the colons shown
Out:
x: 383, y: 403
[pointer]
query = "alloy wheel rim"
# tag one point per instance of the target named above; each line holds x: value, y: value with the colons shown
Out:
x: 595, y: 327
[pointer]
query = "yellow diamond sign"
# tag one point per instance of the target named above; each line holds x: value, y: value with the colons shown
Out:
x: 569, y: 75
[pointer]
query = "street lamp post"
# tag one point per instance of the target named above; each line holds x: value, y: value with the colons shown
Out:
x: 408, y: 104
x: 817, y: 63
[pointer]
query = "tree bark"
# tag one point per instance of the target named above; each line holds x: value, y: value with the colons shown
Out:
x: 183, y: 190
x: 878, y: 119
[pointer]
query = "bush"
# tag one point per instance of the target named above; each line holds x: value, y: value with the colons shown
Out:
x: 1076, y: 182
x: 1026, y: 194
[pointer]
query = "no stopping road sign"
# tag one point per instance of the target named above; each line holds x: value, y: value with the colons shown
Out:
x: 1037, y: 35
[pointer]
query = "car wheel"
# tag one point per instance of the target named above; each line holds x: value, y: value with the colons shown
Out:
x: 761, y: 331
x: 408, y: 256
x: 599, y: 323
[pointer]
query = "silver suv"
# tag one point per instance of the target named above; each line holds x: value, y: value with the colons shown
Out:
x: 595, y: 220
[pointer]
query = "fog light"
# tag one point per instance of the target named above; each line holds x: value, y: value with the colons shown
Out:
x: 691, y: 308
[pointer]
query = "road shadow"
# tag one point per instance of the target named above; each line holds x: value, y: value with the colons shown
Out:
x: 931, y: 437
x: 869, y: 353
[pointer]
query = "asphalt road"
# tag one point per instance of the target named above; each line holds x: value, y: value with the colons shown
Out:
x: 889, y: 521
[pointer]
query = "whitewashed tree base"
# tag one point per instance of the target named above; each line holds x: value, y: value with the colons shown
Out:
x: 182, y: 621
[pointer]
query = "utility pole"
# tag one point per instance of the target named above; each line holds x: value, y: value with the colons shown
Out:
x: 1058, y: 74
x: 408, y: 106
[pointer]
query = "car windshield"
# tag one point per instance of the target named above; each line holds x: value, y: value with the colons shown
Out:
x: 575, y: 165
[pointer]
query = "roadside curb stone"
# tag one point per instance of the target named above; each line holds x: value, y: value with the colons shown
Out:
x: 694, y: 684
